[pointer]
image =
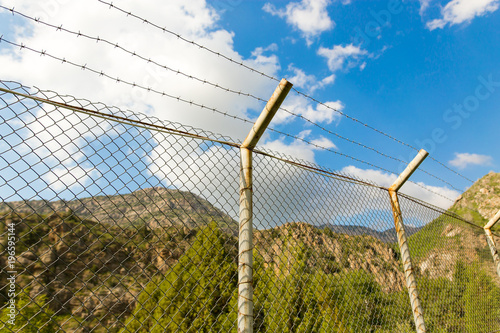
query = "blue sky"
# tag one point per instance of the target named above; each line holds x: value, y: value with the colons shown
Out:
x: 426, y: 72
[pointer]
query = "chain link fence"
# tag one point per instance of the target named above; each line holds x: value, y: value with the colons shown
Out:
x: 113, y: 221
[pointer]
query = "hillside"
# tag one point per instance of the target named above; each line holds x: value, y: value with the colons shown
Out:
x: 481, y: 201
x: 90, y: 274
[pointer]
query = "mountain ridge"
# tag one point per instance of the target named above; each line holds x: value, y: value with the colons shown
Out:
x: 154, y: 206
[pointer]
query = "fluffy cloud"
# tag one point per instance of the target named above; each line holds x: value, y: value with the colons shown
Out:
x: 423, y: 192
x: 463, y: 160
x: 299, y: 149
x: 309, y: 16
x: 207, y: 169
x: 318, y: 113
x: 62, y: 178
x: 340, y: 57
x: 307, y: 81
x: 282, y: 192
x: 460, y: 11
x: 59, y: 141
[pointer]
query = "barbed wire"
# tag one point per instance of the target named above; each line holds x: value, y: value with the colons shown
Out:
x: 375, y: 150
x: 180, y: 37
x: 190, y: 76
x: 149, y: 60
x: 118, y: 80
x: 216, y: 85
x: 133, y: 53
x: 378, y: 131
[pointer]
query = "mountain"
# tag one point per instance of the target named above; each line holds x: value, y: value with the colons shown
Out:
x: 156, y: 206
x: 89, y: 275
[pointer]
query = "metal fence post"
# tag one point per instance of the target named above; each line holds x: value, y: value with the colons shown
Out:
x: 245, y: 254
x: 411, y: 283
x: 491, y: 241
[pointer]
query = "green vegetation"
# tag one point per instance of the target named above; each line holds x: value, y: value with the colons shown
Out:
x: 468, y: 303
x: 34, y: 315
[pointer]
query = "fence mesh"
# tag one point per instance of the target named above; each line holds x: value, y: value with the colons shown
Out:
x: 456, y: 277
x: 121, y: 222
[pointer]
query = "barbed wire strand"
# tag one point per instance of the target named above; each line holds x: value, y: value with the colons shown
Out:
x: 215, y: 85
x: 180, y: 99
x: 149, y: 126
x: 378, y: 131
x: 180, y: 37
x: 134, y: 54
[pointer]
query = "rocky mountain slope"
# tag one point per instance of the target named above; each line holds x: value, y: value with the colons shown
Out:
x: 481, y: 201
x: 89, y: 274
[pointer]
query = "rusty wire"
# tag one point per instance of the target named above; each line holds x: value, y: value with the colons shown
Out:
x: 165, y: 30
x: 216, y: 85
x: 183, y: 100
x: 205, y: 107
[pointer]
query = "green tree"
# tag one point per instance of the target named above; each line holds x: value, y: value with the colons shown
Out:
x: 34, y: 315
x: 194, y: 295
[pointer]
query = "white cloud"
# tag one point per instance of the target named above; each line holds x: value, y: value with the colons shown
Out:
x: 424, y: 5
x: 299, y: 149
x: 309, y: 16
x: 212, y: 171
x: 308, y: 81
x: 324, y: 112
x: 317, y: 113
x: 62, y: 178
x: 324, y: 142
x: 463, y: 160
x: 300, y: 79
x: 386, y: 180
x: 460, y: 11
x: 62, y: 140
x: 340, y: 57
